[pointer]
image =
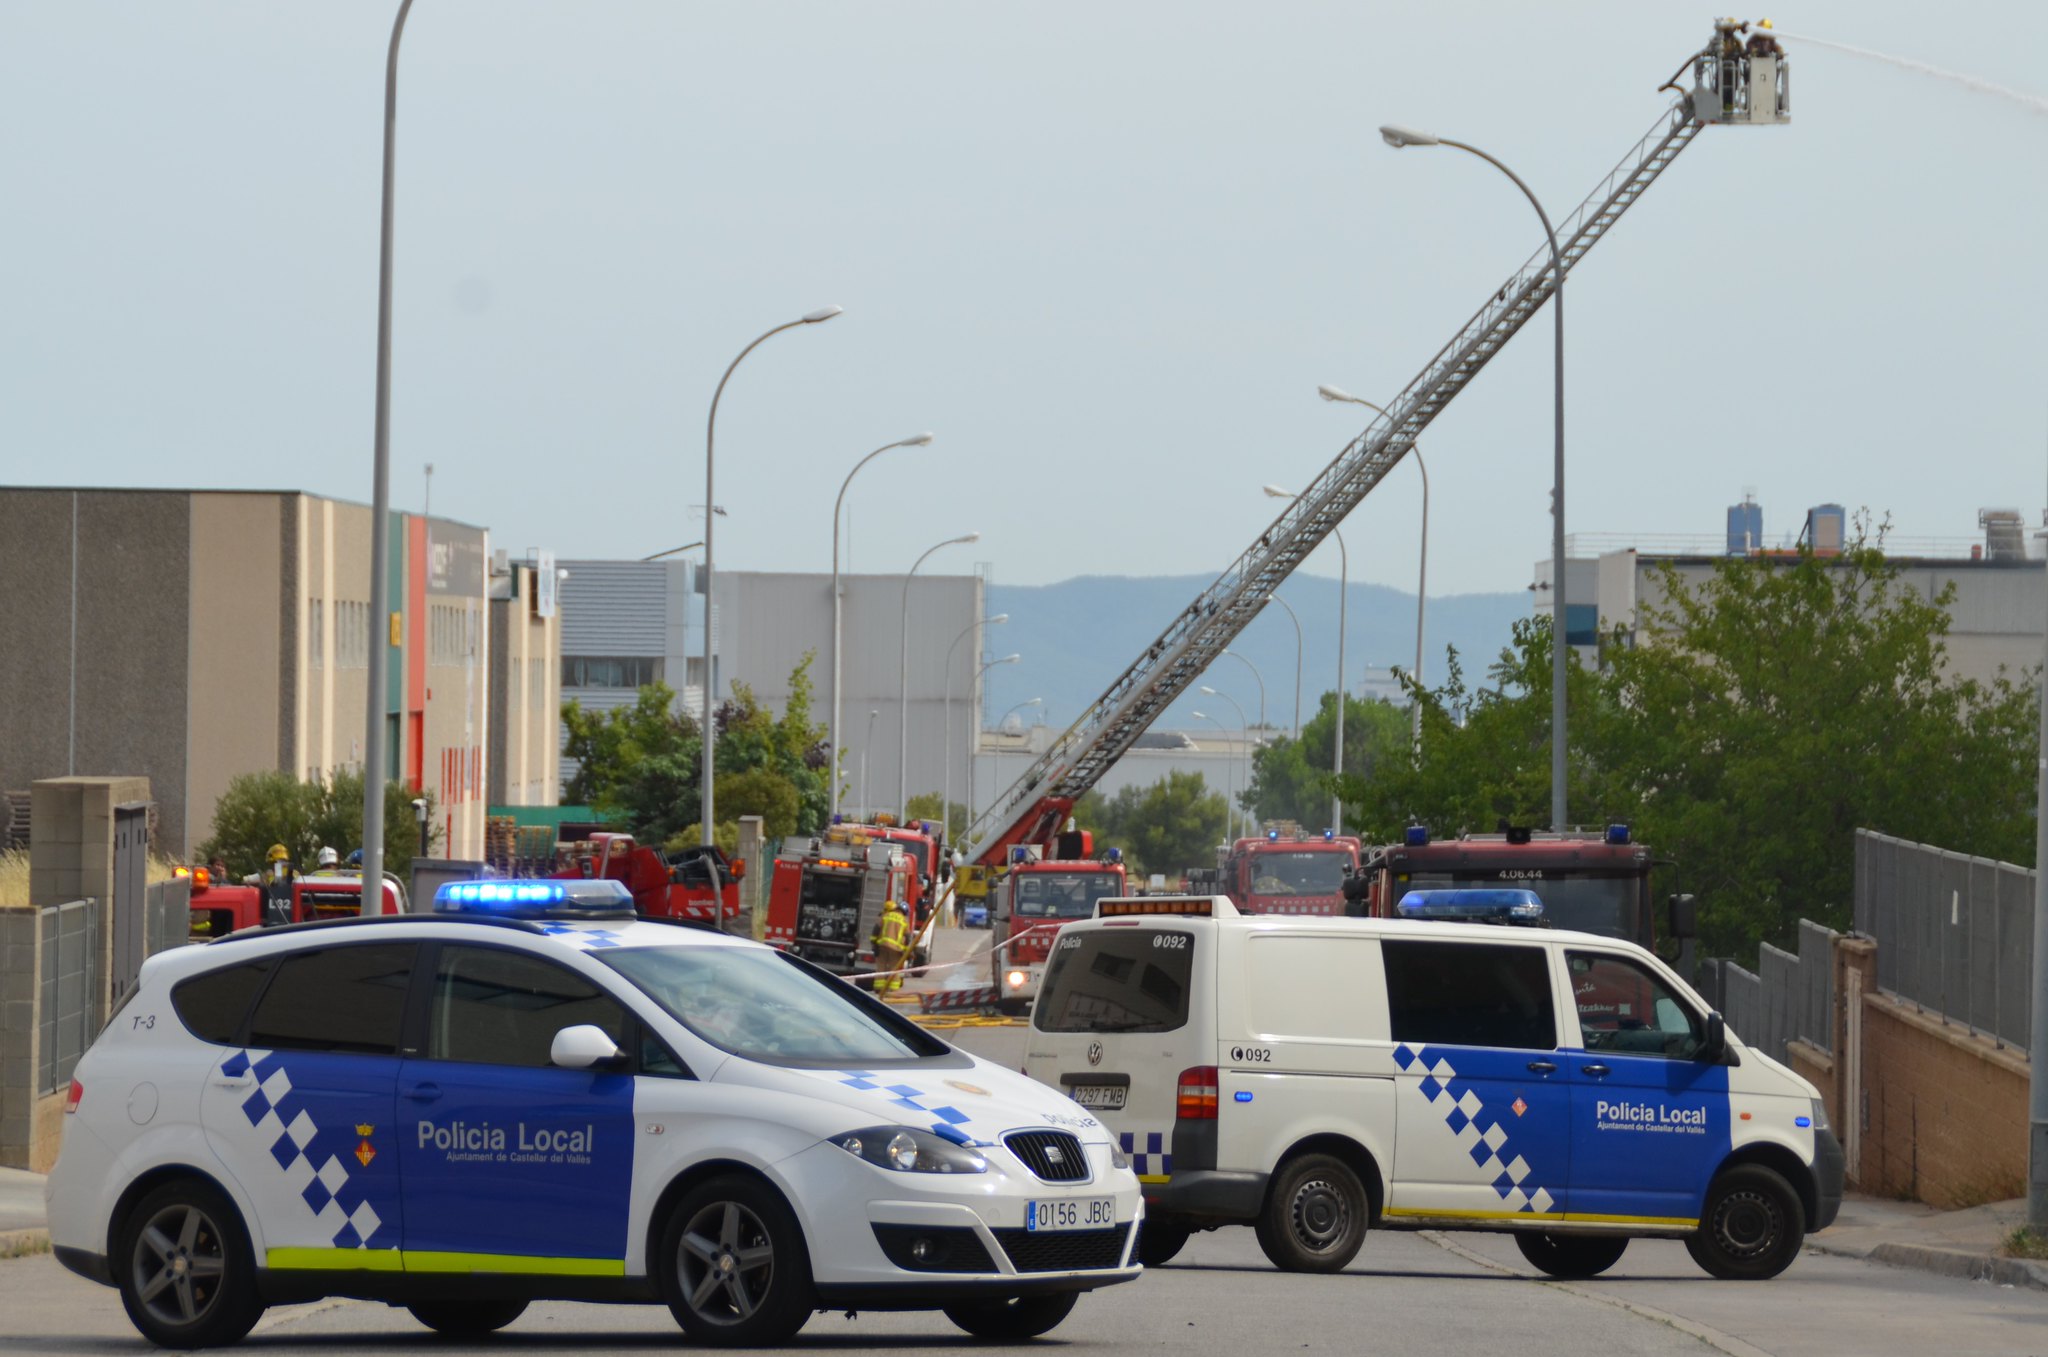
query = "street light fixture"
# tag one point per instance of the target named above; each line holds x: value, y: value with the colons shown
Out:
x: 1244, y: 728
x: 1333, y: 393
x: 903, y: 674
x: 914, y: 441
x: 974, y: 743
x: 1397, y: 137
x: 1275, y: 598
x: 946, y: 755
x: 1343, y: 606
x: 708, y: 733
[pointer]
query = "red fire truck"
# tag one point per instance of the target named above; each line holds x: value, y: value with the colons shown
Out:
x: 1035, y: 899
x: 1283, y: 872
x: 220, y: 908
x: 1593, y: 881
x: 925, y: 843
x: 680, y: 887
x: 826, y: 896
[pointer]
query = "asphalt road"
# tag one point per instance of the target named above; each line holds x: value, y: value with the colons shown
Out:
x: 1406, y: 1293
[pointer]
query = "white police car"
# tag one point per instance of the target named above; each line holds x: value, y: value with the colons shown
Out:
x: 530, y: 1094
x: 1315, y: 1076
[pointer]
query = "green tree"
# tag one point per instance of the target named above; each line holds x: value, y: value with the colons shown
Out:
x: 1291, y: 778
x: 925, y: 806
x: 260, y: 809
x: 1168, y: 827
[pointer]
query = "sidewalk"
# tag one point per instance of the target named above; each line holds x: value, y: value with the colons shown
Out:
x: 21, y: 1210
x: 1952, y: 1243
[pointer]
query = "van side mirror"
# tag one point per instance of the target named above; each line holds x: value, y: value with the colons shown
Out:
x: 1714, y: 1048
x: 1685, y: 917
x: 583, y: 1047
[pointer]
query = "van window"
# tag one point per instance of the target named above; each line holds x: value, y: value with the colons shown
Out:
x: 339, y: 999
x: 1470, y: 994
x: 1314, y: 989
x: 1121, y: 980
x: 1626, y: 1009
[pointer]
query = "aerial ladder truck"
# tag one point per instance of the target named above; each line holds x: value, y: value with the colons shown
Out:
x: 1733, y: 83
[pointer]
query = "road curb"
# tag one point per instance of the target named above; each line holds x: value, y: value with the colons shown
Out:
x: 1975, y: 1267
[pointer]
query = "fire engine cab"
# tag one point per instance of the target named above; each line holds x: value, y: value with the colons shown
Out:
x: 826, y: 896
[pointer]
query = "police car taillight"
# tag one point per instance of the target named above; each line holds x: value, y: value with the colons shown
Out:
x: 599, y: 898
x: 73, y: 1097
x: 1194, y: 1094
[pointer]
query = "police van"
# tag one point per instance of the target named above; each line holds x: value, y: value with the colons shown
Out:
x: 530, y: 1094
x: 1313, y: 1077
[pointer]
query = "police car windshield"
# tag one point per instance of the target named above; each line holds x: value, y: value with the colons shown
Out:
x: 1063, y: 895
x: 1298, y: 873
x: 764, y: 1006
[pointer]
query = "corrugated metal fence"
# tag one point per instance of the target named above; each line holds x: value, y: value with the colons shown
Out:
x: 68, y: 1010
x: 1954, y: 933
x: 1789, y: 997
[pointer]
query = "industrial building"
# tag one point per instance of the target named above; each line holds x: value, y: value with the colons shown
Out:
x: 1616, y: 580
x: 628, y: 623
x: 191, y: 636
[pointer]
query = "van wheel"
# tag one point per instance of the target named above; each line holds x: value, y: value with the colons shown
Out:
x: 1570, y: 1255
x: 466, y: 1318
x: 1015, y: 1319
x: 1752, y: 1228
x: 734, y: 1267
x: 1159, y: 1240
x: 183, y: 1264
x: 1315, y: 1215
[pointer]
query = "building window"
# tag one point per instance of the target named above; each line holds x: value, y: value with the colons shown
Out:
x: 611, y: 671
x: 316, y: 635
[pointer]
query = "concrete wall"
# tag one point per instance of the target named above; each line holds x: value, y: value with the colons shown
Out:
x: 1945, y: 1112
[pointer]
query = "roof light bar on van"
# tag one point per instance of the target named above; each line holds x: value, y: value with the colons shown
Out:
x: 598, y: 898
x: 1202, y: 905
x: 1473, y: 906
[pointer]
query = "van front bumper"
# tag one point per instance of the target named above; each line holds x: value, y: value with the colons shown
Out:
x: 1212, y: 1194
x: 1828, y: 1162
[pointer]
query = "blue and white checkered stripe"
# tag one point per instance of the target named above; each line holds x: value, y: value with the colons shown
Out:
x: 280, y: 1119
x: 1151, y: 1152
x: 1480, y: 1133
x: 908, y: 1097
x: 579, y: 935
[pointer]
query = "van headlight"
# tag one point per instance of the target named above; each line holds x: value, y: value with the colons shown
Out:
x: 910, y: 1151
x: 1820, y: 1115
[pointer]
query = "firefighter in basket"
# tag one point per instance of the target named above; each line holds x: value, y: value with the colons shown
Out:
x: 891, y: 941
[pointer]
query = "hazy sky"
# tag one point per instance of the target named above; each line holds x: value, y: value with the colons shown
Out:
x: 1105, y: 251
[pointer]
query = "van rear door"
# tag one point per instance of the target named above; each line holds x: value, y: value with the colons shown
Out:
x: 1127, y: 1006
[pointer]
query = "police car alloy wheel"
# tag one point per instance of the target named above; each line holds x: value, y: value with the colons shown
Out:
x: 736, y: 1270
x: 1315, y: 1215
x: 1752, y: 1228
x: 1568, y: 1255
x: 1016, y: 1319
x: 184, y: 1268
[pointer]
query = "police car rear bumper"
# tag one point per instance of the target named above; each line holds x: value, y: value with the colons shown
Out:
x: 1828, y: 1163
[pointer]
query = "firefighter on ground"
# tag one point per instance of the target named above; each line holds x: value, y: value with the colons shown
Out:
x: 329, y: 859
x: 891, y: 940
x: 278, y: 876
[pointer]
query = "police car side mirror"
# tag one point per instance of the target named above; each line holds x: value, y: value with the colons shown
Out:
x: 583, y: 1047
x: 1713, y: 1048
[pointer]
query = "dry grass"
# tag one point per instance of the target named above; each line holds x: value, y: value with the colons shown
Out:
x: 2024, y: 1243
x: 14, y: 877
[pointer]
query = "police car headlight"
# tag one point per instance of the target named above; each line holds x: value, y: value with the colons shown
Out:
x: 910, y: 1151
x: 1117, y: 1158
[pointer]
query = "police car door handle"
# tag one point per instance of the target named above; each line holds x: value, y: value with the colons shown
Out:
x: 424, y: 1093
x: 1543, y: 1067
x: 243, y: 1080
x: 1597, y: 1071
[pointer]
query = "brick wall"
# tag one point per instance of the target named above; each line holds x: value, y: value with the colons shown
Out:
x: 1945, y: 1112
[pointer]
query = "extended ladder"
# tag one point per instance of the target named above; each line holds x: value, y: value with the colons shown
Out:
x: 1031, y: 810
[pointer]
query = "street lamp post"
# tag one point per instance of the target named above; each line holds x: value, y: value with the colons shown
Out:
x: 903, y: 675
x: 1398, y: 137
x: 1343, y: 606
x: 1257, y: 678
x: 974, y: 743
x: 916, y: 441
x: 1332, y: 393
x: 866, y: 813
x: 1229, y: 779
x: 946, y: 756
x: 380, y: 505
x: 707, y: 733
x: 1275, y: 598
x: 1244, y: 818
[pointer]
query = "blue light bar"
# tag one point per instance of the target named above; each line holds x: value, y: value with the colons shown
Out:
x: 1472, y: 906
x: 1329, y: 836
x: 1272, y: 836
x: 1115, y: 855
x: 1416, y: 836
x: 1617, y: 834
x: 601, y: 898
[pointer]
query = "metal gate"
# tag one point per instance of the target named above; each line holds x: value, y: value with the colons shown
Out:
x: 128, y: 913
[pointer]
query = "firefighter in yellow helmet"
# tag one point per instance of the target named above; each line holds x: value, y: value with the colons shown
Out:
x: 278, y: 876
x: 891, y: 940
